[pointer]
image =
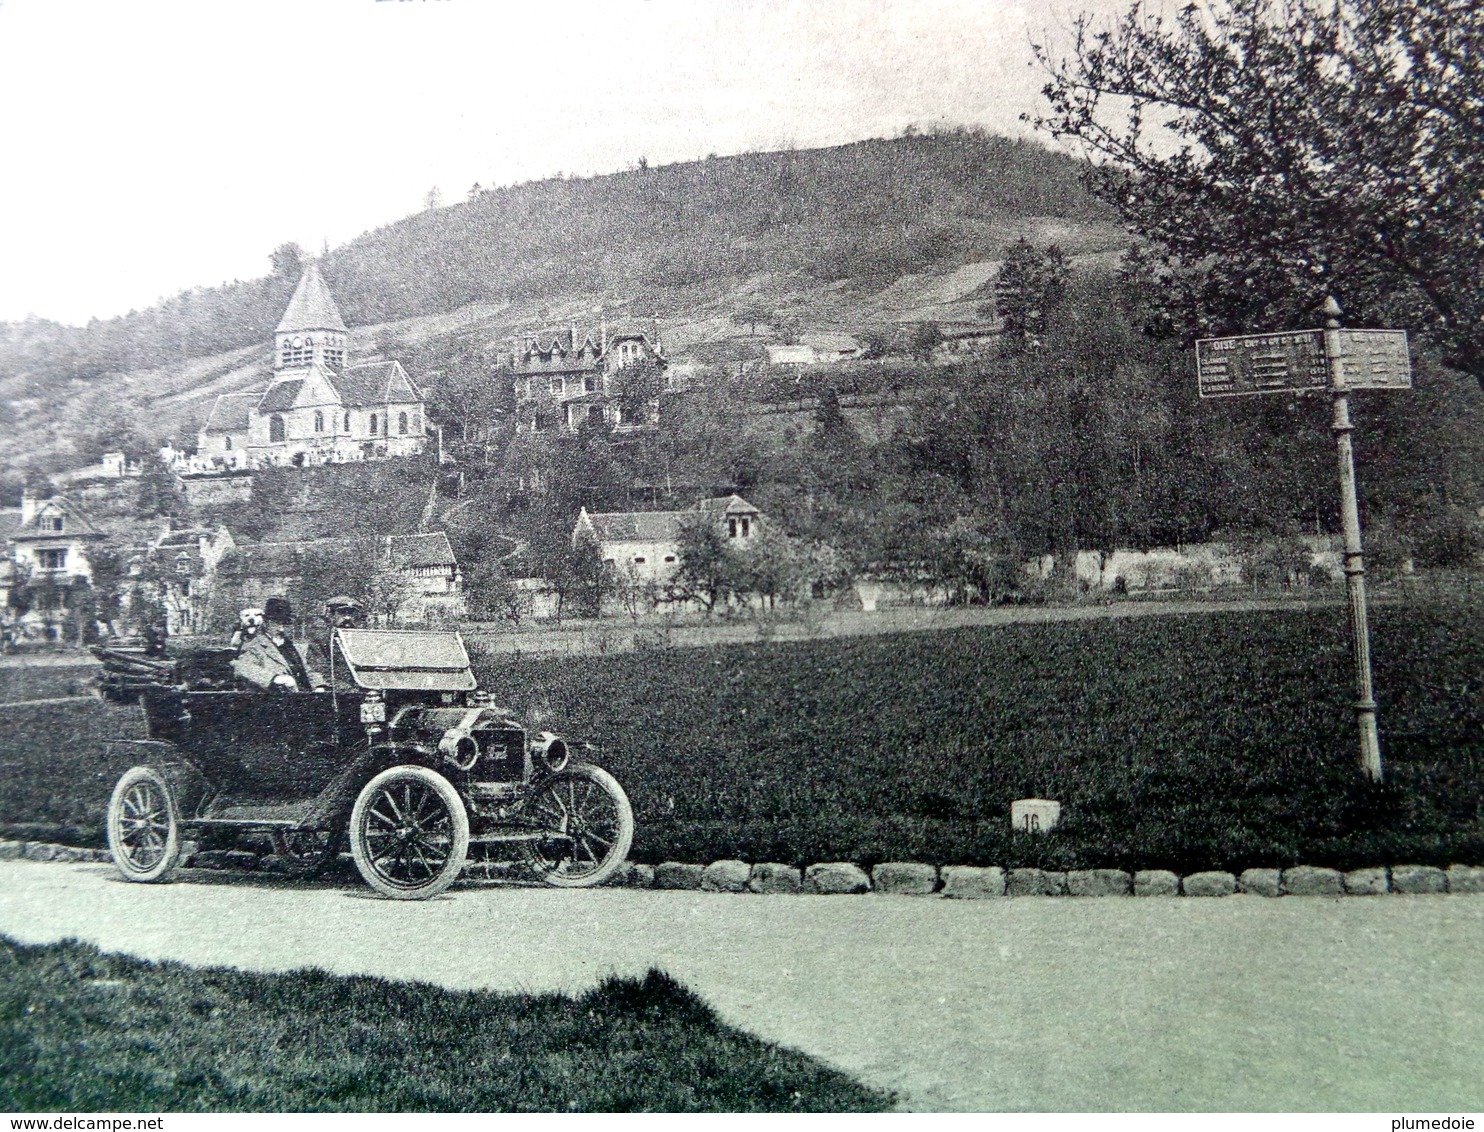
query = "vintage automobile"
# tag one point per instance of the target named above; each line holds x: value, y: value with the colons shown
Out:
x: 401, y: 754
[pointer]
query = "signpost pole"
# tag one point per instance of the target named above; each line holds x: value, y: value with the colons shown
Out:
x: 1360, y: 632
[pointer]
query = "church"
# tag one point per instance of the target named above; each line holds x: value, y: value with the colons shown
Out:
x: 316, y: 409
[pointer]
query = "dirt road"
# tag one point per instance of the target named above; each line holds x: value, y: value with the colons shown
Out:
x: 1033, y: 1003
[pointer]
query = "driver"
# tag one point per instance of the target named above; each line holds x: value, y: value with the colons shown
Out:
x: 271, y: 658
x: 341, y: 612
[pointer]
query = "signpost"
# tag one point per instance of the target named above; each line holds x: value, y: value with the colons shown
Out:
x: 1307, y: 361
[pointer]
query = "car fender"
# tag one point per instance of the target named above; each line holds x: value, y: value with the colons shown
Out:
x: 189, y: 786
x: 331, y: 809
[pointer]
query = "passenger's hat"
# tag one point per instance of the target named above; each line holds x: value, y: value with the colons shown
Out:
x: 278, y: 611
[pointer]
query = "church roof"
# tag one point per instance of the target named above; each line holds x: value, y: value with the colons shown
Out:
x: 229, y: 414
x: 312, y: 307
x: 373, y: 383
x: 281, y: 396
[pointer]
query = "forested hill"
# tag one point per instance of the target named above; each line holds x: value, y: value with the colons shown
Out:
x: 868, y: 211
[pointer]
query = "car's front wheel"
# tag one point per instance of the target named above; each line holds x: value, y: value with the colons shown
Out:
x: 143, y: 826
x: 409, y: 833
x: 587, y: 826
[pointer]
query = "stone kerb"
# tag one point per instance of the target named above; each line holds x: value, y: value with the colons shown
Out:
x: 1306, y: 880
x: 962, y: 882
x: 1036, y: 882
x: 1416, y: 880
x: 1261, y: 882
x: 835, y: 878
x: 904, y: 878
x: 966, y: 882
x: 1209, y: 884
x: 1156, y: 882
x: 641, y: 876
x: 726, y: 876
x: 774, y: 878
x: 1465, y: 878
x: 1097, y: 882
x: 1365, y: 882
x: 675, y: 875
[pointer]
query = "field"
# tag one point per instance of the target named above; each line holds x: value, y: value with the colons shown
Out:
x: 84, y: 1030
x: 40, y: 681
x: 1186, y: 742
x: 1215, y: 740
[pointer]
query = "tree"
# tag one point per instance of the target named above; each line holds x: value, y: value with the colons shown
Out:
x: 287, y: 260
x: 772, y: 566
x: 433, y: 199
x: 704, y: 570
x: 1030, y: 287
x: 637, y: 387
x: 923, y: 340
x: 159, y: 492
x: 1267, y: 152
x: 753, y: 312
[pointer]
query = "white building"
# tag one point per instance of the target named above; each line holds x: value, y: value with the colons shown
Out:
x: 645, y: 545
x: 317, y: 408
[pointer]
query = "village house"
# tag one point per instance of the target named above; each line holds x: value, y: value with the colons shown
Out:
x: 179, y: 570
x: 317, y: 407
x: 645, y: 545
x: 815, y: 348
x: 565, y: 379
x: 432, y: 583
x: 406, y: 579
x: 47, y: 544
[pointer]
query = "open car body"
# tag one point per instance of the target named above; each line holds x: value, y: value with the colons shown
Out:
x: 400, y: 754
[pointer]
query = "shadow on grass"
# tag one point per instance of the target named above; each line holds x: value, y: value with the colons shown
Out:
x: 81, y: 1029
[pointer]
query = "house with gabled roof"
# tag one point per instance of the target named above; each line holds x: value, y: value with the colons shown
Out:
x: 567, y: 379
x: 47, y: 544
x: 645, y: 545
x: 433, y: 585
x: 317, y: 408
x: 415, y: 578
x: 181, y: 564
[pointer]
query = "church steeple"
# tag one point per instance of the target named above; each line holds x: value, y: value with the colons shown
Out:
x: 311, y: 329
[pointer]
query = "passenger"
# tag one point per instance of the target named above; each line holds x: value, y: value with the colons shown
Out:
x: 271, y: 658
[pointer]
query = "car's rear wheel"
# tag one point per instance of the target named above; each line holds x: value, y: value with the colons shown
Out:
x: 588, y: 826
x: 305, y: 853
x: 409, y: 833
x: 143, y: 826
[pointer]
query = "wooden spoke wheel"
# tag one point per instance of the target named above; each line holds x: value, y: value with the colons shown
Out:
x: 305, y: 853
x: 409, y: 833
x: 588, y: 826
x: 143, y: 826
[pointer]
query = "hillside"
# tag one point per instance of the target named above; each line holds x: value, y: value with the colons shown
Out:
x: 867, y: 234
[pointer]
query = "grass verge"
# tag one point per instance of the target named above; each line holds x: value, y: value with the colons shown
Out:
x: 82, y: 1030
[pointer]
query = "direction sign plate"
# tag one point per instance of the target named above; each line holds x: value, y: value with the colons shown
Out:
x: 1249, y: 364
x: 1375, y: 359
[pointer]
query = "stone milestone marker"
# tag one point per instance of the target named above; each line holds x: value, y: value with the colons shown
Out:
x: 1034, y: 815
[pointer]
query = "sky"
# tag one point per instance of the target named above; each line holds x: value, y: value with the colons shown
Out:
x: 156, y: 145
